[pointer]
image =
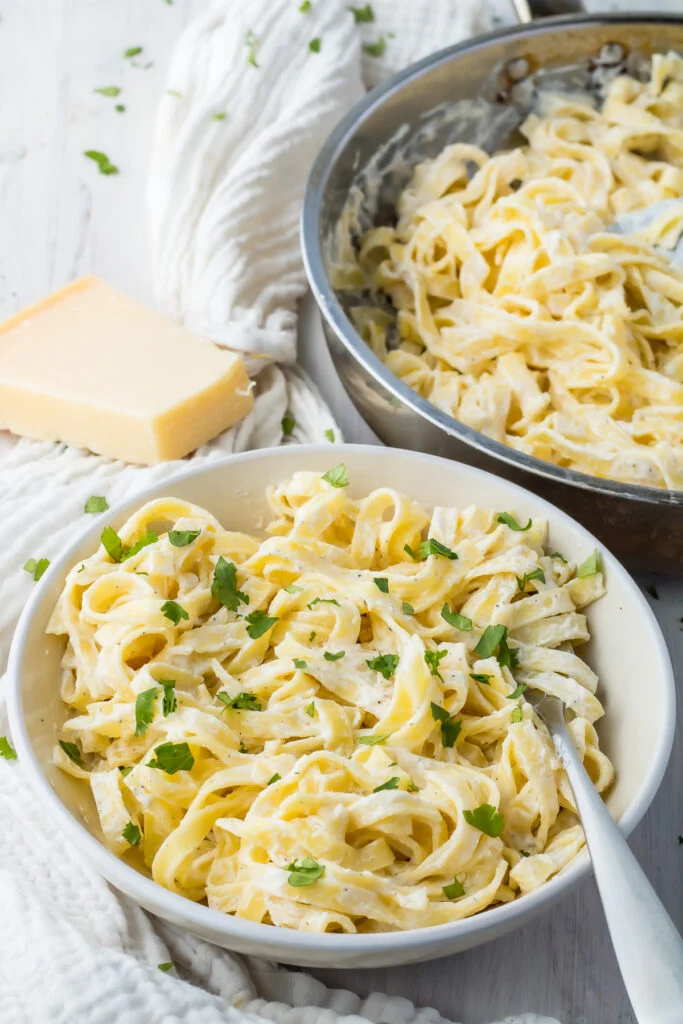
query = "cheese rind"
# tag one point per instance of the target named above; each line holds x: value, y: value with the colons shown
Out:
x: 94, y: 368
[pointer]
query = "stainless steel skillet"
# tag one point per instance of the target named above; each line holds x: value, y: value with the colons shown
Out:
x: 370, y: 155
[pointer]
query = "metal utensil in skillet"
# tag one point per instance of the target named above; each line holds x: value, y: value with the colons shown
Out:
x: 407, y: 117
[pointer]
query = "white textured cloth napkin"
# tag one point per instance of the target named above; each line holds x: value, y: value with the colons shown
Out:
x: 224, y: 199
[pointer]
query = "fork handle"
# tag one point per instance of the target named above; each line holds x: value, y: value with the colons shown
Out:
x: 646, y: 942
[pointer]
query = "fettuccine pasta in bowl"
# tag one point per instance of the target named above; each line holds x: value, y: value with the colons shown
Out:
x: 324, y: 727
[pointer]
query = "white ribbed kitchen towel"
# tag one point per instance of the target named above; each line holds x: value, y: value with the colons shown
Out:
x: 235, y: 141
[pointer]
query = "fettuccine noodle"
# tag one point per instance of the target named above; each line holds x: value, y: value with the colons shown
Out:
x: 520, y: 312
x: 332, y: 733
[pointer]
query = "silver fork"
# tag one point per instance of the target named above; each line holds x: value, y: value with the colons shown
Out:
x: 649, y: 949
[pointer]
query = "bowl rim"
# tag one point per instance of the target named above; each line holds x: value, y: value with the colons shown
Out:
x: 336, y: 319
x: 202, y: 919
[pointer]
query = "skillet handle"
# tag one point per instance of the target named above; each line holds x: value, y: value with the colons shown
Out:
x: 530, y: 10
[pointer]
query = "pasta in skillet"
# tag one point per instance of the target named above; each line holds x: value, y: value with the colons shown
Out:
x: 521, y: 312
x: 327, y: 729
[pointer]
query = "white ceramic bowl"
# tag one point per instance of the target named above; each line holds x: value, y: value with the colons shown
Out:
x: 627, y: 651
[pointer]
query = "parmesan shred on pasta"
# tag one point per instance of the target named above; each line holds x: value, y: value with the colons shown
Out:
x: 327, y: 729
x: 523, y: 309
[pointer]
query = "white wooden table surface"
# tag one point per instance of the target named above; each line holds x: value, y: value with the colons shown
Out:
x: 59, y: 218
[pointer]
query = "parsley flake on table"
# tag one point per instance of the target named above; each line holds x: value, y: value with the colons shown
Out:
x: 432, y: 659
x: 119, y: 107
x: 509, y: 520
x: 288, y: 424
x: 487, y: 819
x: 172, y: 758
x: 391, y: 783
x: 72, y: 752
x: 329, y: 656
x: 454, y: 890
x: 108, y: 90
x: 407, y: 608
x: 169, y: 703
x: 174, y: 611
x: 181, y: 538
x: 362, y: 15
x: 104, y: 164
x: 242, y: 702
x: 314, y: 45
x: 337, y: 476
x: 96, y: 503
x: 224, y: 586
x: 7, y: 750
x: 385, y: 664
x: 305, y: 873
x: 494, y: 638
x: 375, y: 49
x: 591, y: 566
x: 273, y: 779
x: 329, y: 436
x: 132, y: 834
x: 252, y: 44
x: 382, y: 583
x: 37, y: 567
x: 132, y: 51
x: 259, y: 623
x: 144, y: 710
x: 169, y: 964
x: 220, y: 115
x: 455, y: 620
x: 535, y: 574
x: 305, y: 6
x: 372, y: 741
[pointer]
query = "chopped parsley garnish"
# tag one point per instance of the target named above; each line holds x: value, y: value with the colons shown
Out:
x: 310, y: 709
x: 487, y: 819
x: 169, y: 965
x: 311, y: 636
x: 108, y: 90
x: 224, y: 585
x: 300, y: 663
x: 305, y: 6
x: 96, y: 503
x: 556, y: 554
x: 450, y: 728
x: 382, y: 583
x: 412, y: 788
x: 652, y: 591
x: 439, y: 714
x: 454, y: 890
x: 37, y: 567
x: 132, y: 51
x: 104, y: 164
x: 517, y: 714
x: 288, y: 424
x: 259, y: 623
x: 273, y: 778
x: 170, y: 701
x: 435, y: 547
x: 144, y: 710
x: 172, y: 758
x: 174, y: 611
x: 337, y: 476
x: 480, y: 677
x: 242, y: 748
x: 407, y: 608
x: 432, y: 659
x: 322, y: 600
x: 181, y: 538
x: 305, y: 873
x: 125, y: 770
x: 454, y: 619
x: 252, y: 44
x: 372, y: 740
x: 494, y: 638
x: 591, y: 566
x: 72, y: 752
x: 508, y: 520
x: 535, y: 574
x: 7, y: 750
x: 385, y: 664
x: 328, y: 656
x: 219, y: 116
x: 174, y: 92
x: 362, y: 14
x: 242, y: 702
x: 523, y: 853
x: 377, y: 48
x: 517, y: 692
x: 390, y: 784
x: 119, y: 107
x: 329, y: 435
x: 118, y: 551
x: 132, y: 834
x: 314, y: 45
x: 292, y: 588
